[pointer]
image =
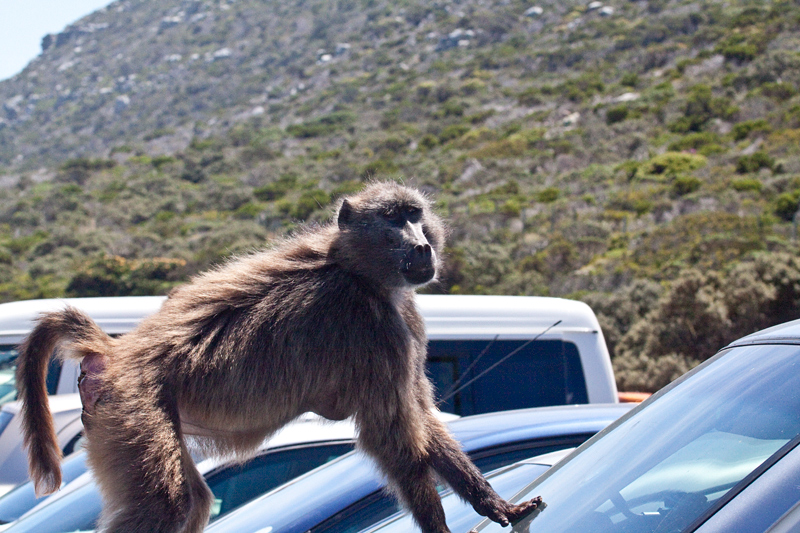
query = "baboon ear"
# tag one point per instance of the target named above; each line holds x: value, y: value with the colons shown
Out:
x: 345, y: 213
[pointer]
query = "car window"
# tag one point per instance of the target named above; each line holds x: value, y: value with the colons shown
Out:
x: 380, y: 505
x: 5, y: 420
x: 74, y: 512
x: 234, y: 486
x: 489, y: 459
x: 8, y: 369
x: 540, y: 373
x: 764, y: 502
x: 23, y: 498
x: 673, y: 463
x: 460, y: 515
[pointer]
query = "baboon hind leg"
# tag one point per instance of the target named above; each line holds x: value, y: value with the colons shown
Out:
x: 147, y: 478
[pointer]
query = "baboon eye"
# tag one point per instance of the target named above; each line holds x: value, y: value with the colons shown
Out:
x: 394, y: 216
x: 413, y: 213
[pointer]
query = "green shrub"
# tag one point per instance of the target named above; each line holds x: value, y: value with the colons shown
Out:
x: 161, y: 160
x: 694, y: 141
x: 473, y: 86
x: 511, y: 207
x: 755, y: 162
x: 548, y: 195
x: 425, y: 90
x: 277, y: 189
x: 742, y: 129
x: 530, y: 97
x: 453, y: 131
x: 628, y: 168
x: 428, y: 141
x: 379, y: 167
x: 701, y: 106
x: 673, y: 163
x: 324, y: 125
x: 786, y: 205
x: 117, y: 276
x: 779, y: 90
x: 482, y: 206
x: 740, y: 51
x: 629, y: 79
x: 248, y: 211
x: 481, y: 116
x: 634, y: 201
x: 616, y: 114
x: 390, y: 118
x: 346, y: 187
x: 309, y: 202
x: 685, y: 185
x: 451, y: 108
x: 78, y: 170
x: 394, y: 144
x: 746, y: 184
x: 583, y: 87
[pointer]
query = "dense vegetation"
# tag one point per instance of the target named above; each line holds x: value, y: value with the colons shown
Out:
x: 645, y: 159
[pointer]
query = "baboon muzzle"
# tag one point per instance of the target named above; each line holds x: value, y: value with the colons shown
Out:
x: 418, y: 264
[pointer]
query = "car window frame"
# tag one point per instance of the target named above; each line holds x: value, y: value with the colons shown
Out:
x: 535, y: 446
x: 226, y: 470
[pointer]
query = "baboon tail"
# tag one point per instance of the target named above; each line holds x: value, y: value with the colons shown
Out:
x: 70, y: 329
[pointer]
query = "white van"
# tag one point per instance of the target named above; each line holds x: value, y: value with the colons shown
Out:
x: 486, y: 353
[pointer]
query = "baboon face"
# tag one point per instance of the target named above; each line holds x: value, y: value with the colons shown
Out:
x: 393, y: 235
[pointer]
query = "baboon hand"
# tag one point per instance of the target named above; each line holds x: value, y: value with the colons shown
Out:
x: 509, y: 514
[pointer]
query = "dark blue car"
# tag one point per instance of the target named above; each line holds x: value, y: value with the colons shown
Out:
x: 347, y: 494
x: 717, y: 451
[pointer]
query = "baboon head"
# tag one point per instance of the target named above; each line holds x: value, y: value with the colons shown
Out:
x: 389, y: 234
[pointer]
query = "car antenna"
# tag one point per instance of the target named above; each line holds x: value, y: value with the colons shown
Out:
x: 464, y: 374
x: 505, y: 357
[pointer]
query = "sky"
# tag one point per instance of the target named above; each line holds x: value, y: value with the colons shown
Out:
x: 24, y: 22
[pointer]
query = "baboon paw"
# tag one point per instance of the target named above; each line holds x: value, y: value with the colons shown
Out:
x: 517, y: 512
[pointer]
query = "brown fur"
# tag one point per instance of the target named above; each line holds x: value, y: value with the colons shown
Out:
x: 323, y: 322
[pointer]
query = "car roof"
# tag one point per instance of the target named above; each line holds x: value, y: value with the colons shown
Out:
x: 489, y: 429
x: 446, y: 316
x: 115, y: 315
x: 486, y: 316
x: 59, y: 403
x: 786, y: 333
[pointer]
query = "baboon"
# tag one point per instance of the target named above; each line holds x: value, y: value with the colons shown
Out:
x: 324, y: 321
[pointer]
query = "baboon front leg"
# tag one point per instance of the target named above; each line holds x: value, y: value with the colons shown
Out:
x: 399, y: 449
x: 147, y: 478
x: 450, y: 462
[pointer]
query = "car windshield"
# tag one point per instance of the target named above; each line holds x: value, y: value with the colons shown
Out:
x: 8, y: 365
x: 8, y: 369
x: 670, y: 465
x: 23, y: 497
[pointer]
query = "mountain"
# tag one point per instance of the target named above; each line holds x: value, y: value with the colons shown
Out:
x: 159, y: 74
x: 643, y: 156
